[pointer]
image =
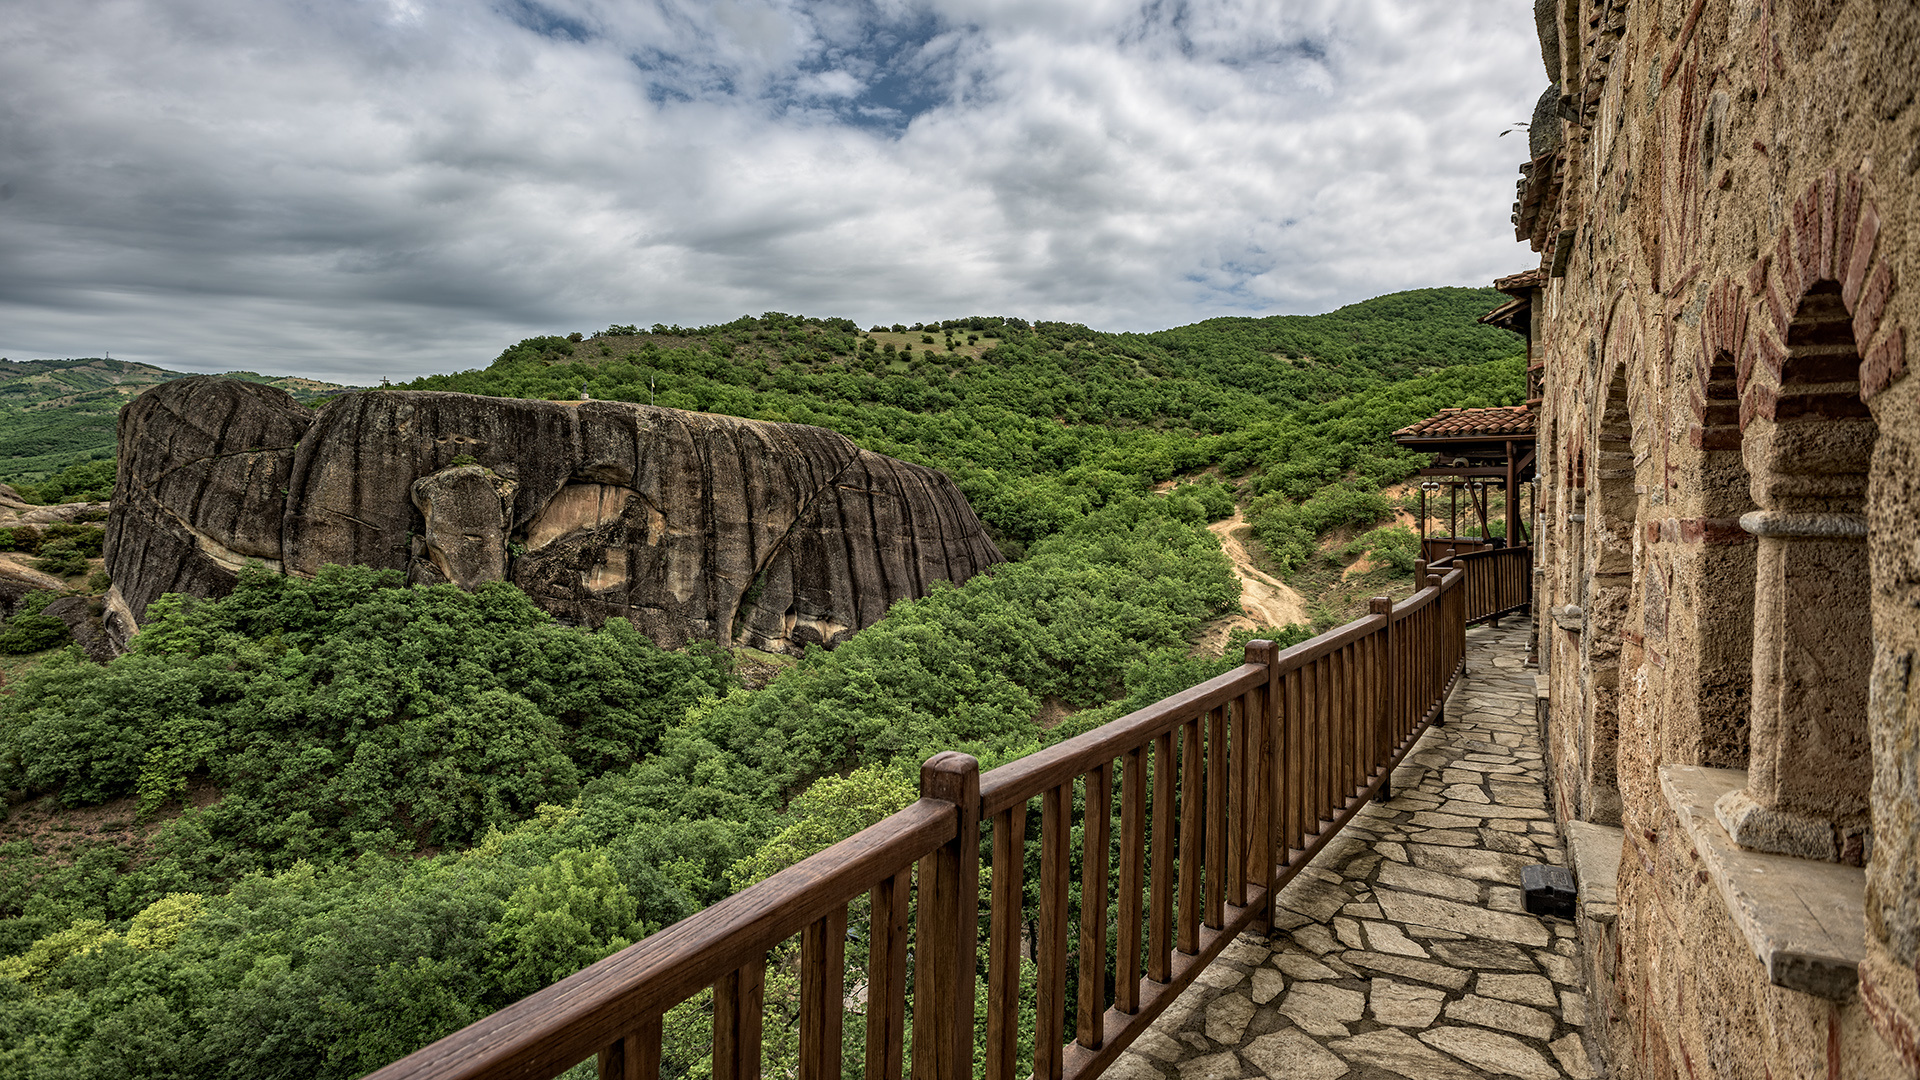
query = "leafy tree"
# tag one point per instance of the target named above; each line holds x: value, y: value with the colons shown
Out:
x: 29, y: 630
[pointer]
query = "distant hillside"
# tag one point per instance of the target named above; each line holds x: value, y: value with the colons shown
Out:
x: 56, y: 412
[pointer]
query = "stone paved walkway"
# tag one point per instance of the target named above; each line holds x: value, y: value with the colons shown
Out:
x: 1405, y: 949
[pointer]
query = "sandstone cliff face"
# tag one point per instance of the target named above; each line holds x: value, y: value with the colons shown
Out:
x: 690, y: 525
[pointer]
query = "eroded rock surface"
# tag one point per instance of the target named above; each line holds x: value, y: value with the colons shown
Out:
x: 693, y: 526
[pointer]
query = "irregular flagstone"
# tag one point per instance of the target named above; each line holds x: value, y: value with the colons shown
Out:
x: 1318, y: 939
x: 1502, y: 898
x: 1322, y: 1008
x: 1131, y: 1066
x: 1505, y: 1015
x: 1219, y: 976
x: 1491, y: 810
x: 1571, y: 1052
x: 1227, y: 1018
x: 1516, y: 794
x: 1560, y: 969
x: 1396, y: 1051
x: 1507, y: 842
x: 1402, y: 1004
x: 1348, y: 931
x: 1450, y: 838
x: 1492, y: 1052
x: 1429, y: 820
x: 1467, y: 862
x: 1156, y: 1043
x: 1573, y: 1008
x: 1247, y: 950
x: 1452, y: 978
x: 1267, y: 985
x: 1525, y: 989
x: 1299, y: 965
x: 1317, y: 900
x: 1222, y: 1066
x: 1412, y: 908
x: 1387, y: 938
x: 1426, y: 881
x: 1293, y: 1055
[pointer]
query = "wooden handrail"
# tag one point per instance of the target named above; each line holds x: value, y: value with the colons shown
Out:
x: 554, y: 1029
x: 1225, y: 792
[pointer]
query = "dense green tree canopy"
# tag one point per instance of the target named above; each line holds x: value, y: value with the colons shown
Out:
x: 361, y: 815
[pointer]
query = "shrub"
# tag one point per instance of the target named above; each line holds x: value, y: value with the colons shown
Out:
x: 62, y: 558
x: 30, y: 631
x: 22, y: 538
x: 89, y: 540
x: 1393, y: 545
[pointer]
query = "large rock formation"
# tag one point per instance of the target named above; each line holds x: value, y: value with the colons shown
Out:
x: 691, y: 525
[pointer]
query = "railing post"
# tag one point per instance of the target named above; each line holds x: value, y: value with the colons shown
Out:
x: 1443, y: 636
x: 947, y: 933
x: 1384, y: 690
x: 1263, y: 777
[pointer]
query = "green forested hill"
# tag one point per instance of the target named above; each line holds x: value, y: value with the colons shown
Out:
x: 56, y: 412
x: 312, y: 826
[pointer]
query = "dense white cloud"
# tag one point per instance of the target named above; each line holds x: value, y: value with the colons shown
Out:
x: 388, y: 187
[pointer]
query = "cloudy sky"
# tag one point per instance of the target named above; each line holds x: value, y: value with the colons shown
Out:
x: 356, y: 188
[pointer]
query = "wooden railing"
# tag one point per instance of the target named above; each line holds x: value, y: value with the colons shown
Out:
x: 1226, y: 791
x: 1498, y: 582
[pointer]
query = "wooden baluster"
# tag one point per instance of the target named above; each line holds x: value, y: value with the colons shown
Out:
x: 1259, y: 771
x: 1343, y: 665
x: 1095, y: 849
x: 1160, y: 904
x: 947, y: 935
x: 1294, y: 759
x: 1003, y: 945
x: 1238, y: 812
x: 737, y: 1012
x: 1133, y: 878
x: 1359, y: 731
x: 1323, y: 750
x: 823, y: 995
x: 1219, y: 781
x: 887, y: 978
x: 1049, y: 1021
x: 1193, y: 834
x: 1380, y: 669
x: 1258, y: 858
x: 634, y: 1057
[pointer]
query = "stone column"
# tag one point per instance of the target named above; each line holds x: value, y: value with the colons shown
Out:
x: 1808, y: 771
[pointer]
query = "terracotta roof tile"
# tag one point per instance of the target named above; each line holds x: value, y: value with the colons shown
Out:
x: 1471, y: 423
x: 1518, y: 284
x: 1505, y: 312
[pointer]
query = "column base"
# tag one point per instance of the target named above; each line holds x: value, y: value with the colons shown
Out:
x: 1784, y: 832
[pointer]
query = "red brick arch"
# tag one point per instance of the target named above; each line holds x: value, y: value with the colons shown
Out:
x: 1831, y: 244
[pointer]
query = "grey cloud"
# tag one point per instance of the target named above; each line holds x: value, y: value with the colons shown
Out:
x: 394, y: 187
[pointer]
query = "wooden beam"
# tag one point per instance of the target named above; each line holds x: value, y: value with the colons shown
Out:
x: 1496, y: 472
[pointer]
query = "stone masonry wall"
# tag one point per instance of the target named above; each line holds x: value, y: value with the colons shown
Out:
x: 1734, y: 287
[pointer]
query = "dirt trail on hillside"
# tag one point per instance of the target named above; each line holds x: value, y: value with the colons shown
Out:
x: 1266, y: 600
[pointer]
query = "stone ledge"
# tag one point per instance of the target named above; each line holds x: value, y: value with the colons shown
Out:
x: 1804, y: 920
x: 1596, y: 867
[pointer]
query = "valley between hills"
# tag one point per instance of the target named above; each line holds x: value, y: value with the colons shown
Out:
x: 315, y: 823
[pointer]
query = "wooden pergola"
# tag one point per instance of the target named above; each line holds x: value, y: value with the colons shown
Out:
x: 1476, y: 452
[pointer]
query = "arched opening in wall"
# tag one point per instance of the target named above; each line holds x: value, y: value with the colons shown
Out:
x: 1722, y: 579
x: 1809, y: 768
x: 1612, y: 519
